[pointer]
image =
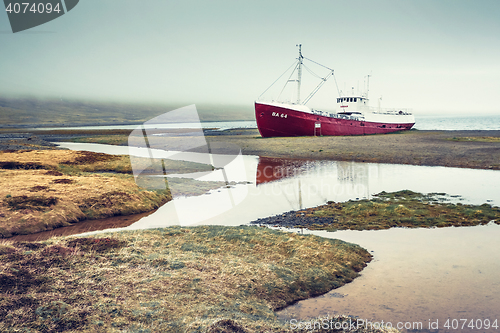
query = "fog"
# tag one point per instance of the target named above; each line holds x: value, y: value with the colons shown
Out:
x: 431, y: 57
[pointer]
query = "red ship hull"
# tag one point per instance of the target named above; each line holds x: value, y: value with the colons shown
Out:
x: 275, y: 121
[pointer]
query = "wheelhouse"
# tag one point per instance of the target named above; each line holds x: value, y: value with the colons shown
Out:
x: 351, y: 103
x: 354, y: 99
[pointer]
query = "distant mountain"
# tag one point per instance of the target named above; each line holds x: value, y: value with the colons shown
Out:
x: 32, y: 112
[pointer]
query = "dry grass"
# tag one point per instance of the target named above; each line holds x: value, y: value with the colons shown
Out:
x: 45, y: 189
x: 33, y: 201
x: 200, y: 279
x: 74, y: 162
x: 477, y: 139
x: 67, y: 161
x: 117, y: 139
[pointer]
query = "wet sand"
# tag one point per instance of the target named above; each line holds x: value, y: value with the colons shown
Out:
x: 430, y: 148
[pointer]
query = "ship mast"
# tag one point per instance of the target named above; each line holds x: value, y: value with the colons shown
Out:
x: 298, y: 67
x: 299, y: 72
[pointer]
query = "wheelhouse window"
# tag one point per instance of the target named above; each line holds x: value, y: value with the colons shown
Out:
x: 355, y: 99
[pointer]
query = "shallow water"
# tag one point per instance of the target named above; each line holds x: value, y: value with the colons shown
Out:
x: 417, y: 275
x: 220, y: 125
x: 82, y: 227
x: 308, y: 184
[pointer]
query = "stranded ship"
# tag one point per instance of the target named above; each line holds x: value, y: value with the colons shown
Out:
x: 354, y: 115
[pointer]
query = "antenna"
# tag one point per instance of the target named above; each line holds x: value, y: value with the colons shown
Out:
x: 367, y: 85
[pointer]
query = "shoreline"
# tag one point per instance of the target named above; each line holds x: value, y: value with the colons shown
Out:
x: 462, y: 149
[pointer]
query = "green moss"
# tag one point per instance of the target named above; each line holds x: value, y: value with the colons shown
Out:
x: 398, y: 209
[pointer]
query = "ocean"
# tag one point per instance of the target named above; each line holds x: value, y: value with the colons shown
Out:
x: 456, y: 123
x: 442, y: 123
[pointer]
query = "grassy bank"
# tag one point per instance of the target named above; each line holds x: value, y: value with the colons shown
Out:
x: 477, y: 139
x: 199, y: 279
x: 45, y: 189
x: 402, y: 209
x: 109, y: 139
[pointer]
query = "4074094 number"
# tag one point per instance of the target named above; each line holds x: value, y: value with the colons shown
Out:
x: 473, y: 324
x: 36, y: 8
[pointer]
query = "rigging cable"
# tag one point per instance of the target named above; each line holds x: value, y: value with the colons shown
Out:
x: 317, y: 63
x: 338, y: 91
x: 294, y: 63
x: 312, y: 73
x: 296, y: 66
x: 323, y: 80
x: 335, y: 79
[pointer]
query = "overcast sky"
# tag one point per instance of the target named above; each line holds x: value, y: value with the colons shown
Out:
x: 430, y: 56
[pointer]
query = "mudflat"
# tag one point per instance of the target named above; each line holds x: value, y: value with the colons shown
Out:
x: 463, y: 149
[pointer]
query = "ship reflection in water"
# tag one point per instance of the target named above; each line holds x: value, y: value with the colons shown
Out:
x: 271, y: 169
x: 307, y: 183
